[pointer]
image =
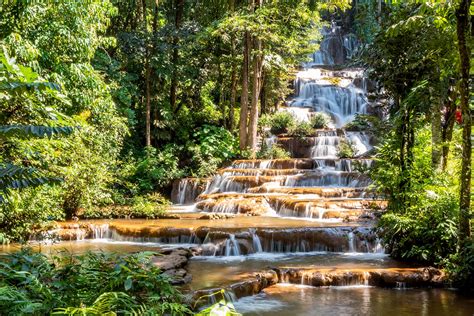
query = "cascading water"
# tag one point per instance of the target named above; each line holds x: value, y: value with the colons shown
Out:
x: 316, y: 185
x: 232, y: 246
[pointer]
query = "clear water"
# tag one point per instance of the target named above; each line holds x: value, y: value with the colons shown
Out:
x: 282, y: 300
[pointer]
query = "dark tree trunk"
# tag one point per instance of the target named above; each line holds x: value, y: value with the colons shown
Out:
x: 244, y: 99
x: 447, y: 127
x: 263, y: 94
x: 436, y: 135
x: 233, y: 88
x: 147, y: 81
x: 462, y: 17
x: 179, y: 8
x: 233, y: 75
x: 256, y: 84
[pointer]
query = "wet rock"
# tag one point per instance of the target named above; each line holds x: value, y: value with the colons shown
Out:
x: 186, y: 190
x: 169, y: 216
x: 216, y: 216
x: 250, y: 286
x: 172, y: 263
x: 423, y: 277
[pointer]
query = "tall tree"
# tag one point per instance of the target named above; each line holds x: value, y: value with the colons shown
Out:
x: 462, y: 28
x: 147, y: 77
x: 179, y: 9
x: 257, y: 67
x: 244, y: 98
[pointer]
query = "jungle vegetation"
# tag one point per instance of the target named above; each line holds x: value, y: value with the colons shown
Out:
x: 105, y: 103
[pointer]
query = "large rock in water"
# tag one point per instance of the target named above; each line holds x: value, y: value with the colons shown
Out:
x: 403, y: 277
x: 172, y: 262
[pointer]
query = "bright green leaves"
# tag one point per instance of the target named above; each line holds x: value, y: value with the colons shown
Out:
x: 97, y: 283
x: 28, y: 131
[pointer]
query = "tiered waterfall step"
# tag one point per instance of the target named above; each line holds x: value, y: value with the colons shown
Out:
x: 293, y: 205
x: 222, y: 238
x: 249, y: 175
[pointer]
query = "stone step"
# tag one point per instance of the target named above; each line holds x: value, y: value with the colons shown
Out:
x: 310, y: 206
x: 345, y: 164
x: 255, y: 283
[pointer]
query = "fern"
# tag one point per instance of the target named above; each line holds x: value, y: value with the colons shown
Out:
x: 108, y: 303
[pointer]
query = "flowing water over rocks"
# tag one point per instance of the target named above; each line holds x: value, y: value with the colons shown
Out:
x: 310, y: 218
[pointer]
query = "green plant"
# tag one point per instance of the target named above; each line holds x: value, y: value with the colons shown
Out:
x: 275, y: 151
x: 320, y: 120
x: 281, y: 122
x: 30, y: 211
x: 222, y: 307
x: 425, y: 231
x: 152, y: 205
x: 346, y: 149
x: 301, y: 129
x: 364, y: 122
x: 460, y: 267
x: 212, y: 146
x: 156, y: 169
x: 99, y: 283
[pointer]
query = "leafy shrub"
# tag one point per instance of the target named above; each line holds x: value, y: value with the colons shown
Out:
x: 281, y: 122
x: 152, y: 206
x: 156, y: 169
x: 346, y: 149
x: 275, y: 151
x: 320, y: 120
x: 124, y: 284
x: 212, y: 146
x: 301, y: 129
x: 424, y: 232
x: 30, y: 212
x: 460, y: 267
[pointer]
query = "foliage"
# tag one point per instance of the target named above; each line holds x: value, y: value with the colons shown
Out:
x: 460, y: 267
x: 274, y: 151
x: 27, y: 214
x: 19, y: 84
x: 320, y: 120
x: 212, y: 146
x: 363, y: 122
x: 281, y: 122
x: 223, y: 307
x: 301, y: 129
x: 423, y: 227
x: 346, y: 149
x: 99, y: 283
x: 155, y: 169
x: 431, y: 220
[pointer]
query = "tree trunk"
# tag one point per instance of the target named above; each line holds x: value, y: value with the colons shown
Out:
x: 174, y: 79
x: 233, y: 88
x: 233, y: 75
x: 253, y: 119
x: 220, y: 88
x: 447, y: 128
x: 257, y: 73
x: 244, y: 99
x: 263, y: 94
x: 462, y: 17
x: 436, y: 135
x: 147, y: 81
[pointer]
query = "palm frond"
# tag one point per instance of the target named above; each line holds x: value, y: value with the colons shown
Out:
x: 29, y: 131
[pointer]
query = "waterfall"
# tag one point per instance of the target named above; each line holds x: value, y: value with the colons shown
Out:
x: 257, y: 245
x: 232, y: 246
x: 182, y: 191
x: 100, y: 231
x: 350, y: 238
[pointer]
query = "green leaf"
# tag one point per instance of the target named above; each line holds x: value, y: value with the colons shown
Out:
x: 128, y: 283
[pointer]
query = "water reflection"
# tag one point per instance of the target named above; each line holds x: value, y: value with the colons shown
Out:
x: 303, y: 300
